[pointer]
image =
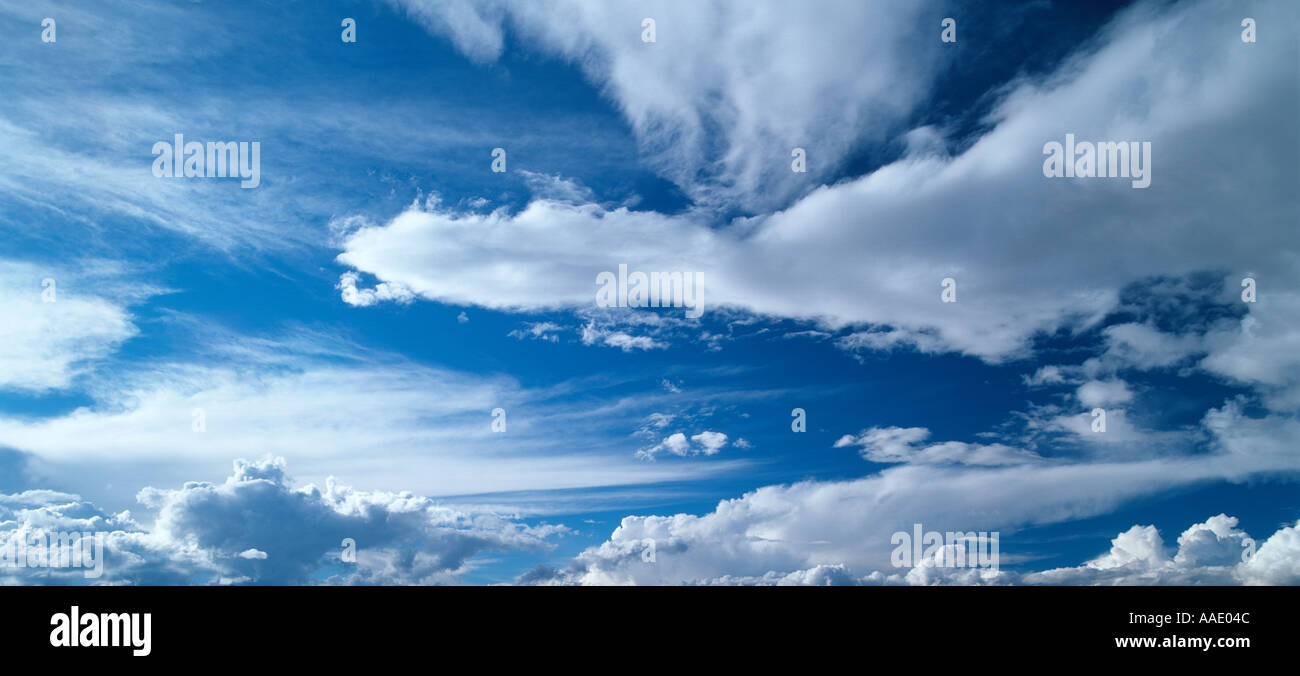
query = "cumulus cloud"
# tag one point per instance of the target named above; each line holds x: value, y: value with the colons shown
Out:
x: 850, y: 523
x: 257, y: 527
x: 1216, y: 542
x: 384, y: 291
x: 778, y: 530
x: 1212, y: 552
x: 704, y: 443
x: 710, y: 442
x: 1277, y: 562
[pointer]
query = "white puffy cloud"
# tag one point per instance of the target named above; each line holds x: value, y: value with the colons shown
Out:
x: 930, y: 572
x: 731, y: 545
x: 1216, y: 542
x: 784, y: 528
x: 1025, y: 250
x: 674, y: 443
x: 384, y: 291
x: 257, y: 527
x: 710, y: 442
x: 1137, y: 545
x: 1104, y: 393
x: 1277, y: 561
x: 705, y: 443
x: 1212, y: 552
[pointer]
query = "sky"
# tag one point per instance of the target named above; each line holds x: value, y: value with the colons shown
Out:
x: 396, y: 339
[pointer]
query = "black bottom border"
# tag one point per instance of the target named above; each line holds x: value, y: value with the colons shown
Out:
x: 332, y: 625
